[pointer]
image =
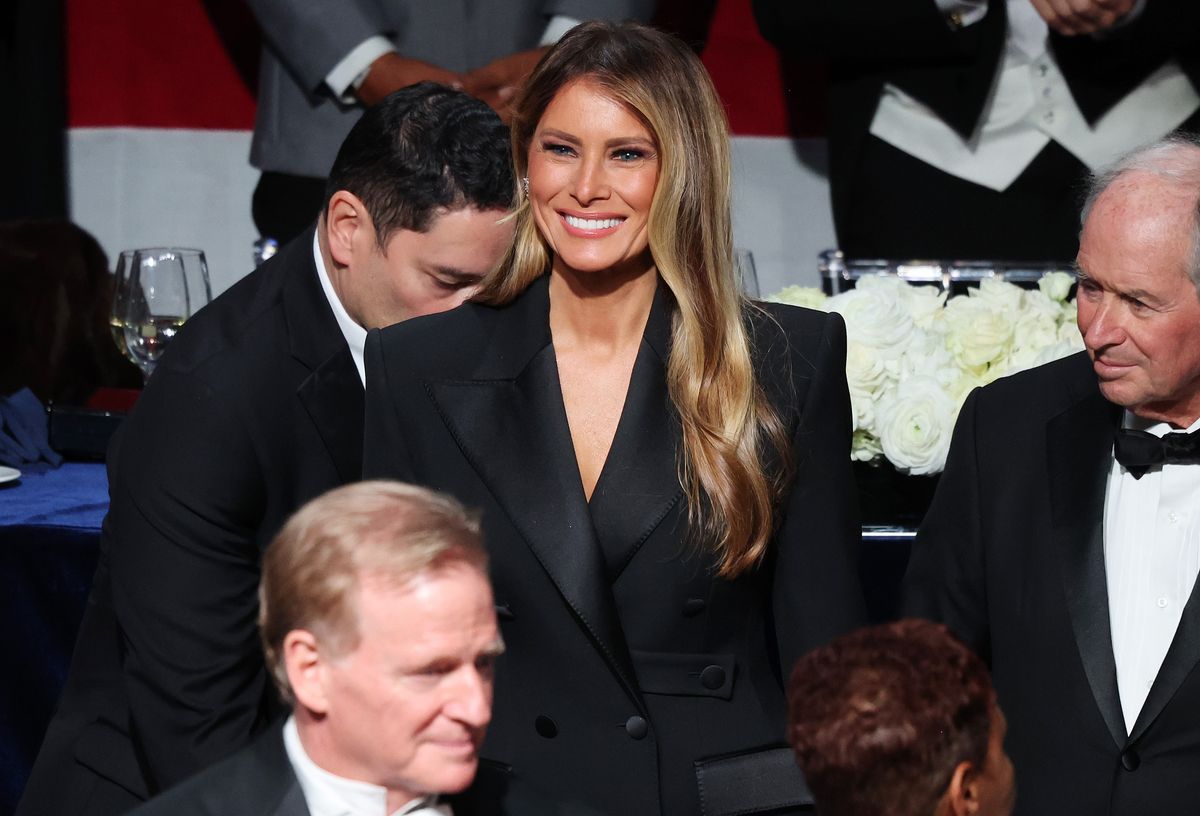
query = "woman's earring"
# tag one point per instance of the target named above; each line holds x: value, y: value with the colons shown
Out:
x: 525, y: 184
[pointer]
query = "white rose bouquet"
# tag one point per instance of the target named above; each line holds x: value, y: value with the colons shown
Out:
x: 913, y: 355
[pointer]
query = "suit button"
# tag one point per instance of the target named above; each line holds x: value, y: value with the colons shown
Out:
x: 636, y: 727
x: 1130, y: 760
x: 545, y: 726
x: 693, y: 607
x: 712, y: 678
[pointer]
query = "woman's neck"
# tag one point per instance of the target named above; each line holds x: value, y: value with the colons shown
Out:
x: 601, y: 309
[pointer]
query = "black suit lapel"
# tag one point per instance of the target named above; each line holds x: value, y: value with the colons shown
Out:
x: 333, y: 397
x: 1079, y: 444
x: 639, y: 483
x: 264, y: 782
x: 333, y: 393
x: 511, y: 425
x: 1179, y: 662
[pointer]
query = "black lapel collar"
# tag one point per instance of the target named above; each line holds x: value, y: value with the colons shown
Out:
x: 333, y: 397
x: 1079, y: 442
x: 266, y: 782
x: 1181, y: 658
x: 313, y: 333
x: 332, y: 393
x: 639, y: 483
x: 509, y: 421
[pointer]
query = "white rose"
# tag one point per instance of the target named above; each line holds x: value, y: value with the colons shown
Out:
x: 1057, y: 351
x: 1056, y: 285
x: 1002, y: 296
x: 874, y: 317
x: 915, y: 426
x: 807, y: 296
x: 978, y: 334
x: 1069, y: 314
x: 864, y: 369
x: 1069, y: 333
x: 1034, y: 330
x: 864, y: 447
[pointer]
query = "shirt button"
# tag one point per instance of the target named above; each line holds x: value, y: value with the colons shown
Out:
x: 1048, y: 117
x: 1046, y: 92
x: 1162, y: 603
x: 1043, y: 69
x: 1173, y: 517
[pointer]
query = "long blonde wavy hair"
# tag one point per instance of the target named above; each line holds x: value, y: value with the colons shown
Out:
x: 729, y: 428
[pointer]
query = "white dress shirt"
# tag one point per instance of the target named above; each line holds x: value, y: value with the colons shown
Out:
x: 329, y: 795
x: 1151, y: 557
x: 1030, y: 105
x: 356, y: 335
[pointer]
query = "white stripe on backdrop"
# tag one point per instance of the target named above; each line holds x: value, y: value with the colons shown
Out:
x: 134, y: 187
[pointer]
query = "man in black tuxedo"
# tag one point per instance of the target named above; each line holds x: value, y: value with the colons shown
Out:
x: 255, y: 408
x: 961, y: 128
x: 1064, y: 539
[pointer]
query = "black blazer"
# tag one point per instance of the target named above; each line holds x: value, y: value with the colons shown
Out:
x: 255, y: 408
x: 1011, y: 556
x: 909, y: 44
x: 258, y: 780
x: 634, y: 680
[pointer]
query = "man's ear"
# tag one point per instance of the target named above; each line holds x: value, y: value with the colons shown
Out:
x: 305, y: 670
x: 962, y: 795
x: 347, y: 225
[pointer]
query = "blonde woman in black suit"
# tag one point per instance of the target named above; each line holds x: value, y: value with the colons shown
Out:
x: 663, y: 466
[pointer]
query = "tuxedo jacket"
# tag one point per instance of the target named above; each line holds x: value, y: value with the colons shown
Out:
x: 1011, y: 557
x: 634, y: 680
x: 255, y: 408
x: 258, y: 780
x: 909, y: 44
x: 299, y: 125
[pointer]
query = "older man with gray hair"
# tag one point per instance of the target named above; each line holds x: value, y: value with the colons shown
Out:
x: 1064, y: 540
x: 379, y: 627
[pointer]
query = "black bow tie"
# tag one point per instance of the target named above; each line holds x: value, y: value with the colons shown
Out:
x: 1138, y: 451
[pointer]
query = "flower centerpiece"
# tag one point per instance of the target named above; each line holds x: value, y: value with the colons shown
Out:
x: 913, y: 355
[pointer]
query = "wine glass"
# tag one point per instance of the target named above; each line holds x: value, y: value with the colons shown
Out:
x: 120, y: 296
x: 157, y: 290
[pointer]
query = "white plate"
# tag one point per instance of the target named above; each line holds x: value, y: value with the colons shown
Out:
x: 8, y: 474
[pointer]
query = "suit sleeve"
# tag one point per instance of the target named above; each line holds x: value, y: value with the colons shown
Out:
x: 186, y: 498
x: 385, y: 454
x: 310, y: 38
x: 615, y: 10
x: 898, y: 31
x: 816, y: 593
x: 945, y: 577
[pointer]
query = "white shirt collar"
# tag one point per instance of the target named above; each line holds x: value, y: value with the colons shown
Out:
x: 328, y: 794
x: 356, y: 335
x: 1136, y: 423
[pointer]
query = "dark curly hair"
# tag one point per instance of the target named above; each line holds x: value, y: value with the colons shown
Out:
x: 880, y: 718
x: 424, y: 149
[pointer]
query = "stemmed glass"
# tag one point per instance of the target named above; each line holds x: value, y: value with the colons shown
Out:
x: 156, y: 291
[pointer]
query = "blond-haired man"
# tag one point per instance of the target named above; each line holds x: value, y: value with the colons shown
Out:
x: 379, y: 627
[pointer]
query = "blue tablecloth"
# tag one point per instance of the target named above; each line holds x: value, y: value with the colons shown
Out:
x: 49, y: 543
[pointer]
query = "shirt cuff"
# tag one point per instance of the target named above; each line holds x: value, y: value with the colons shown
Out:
x: 559, y: 25
x: 962, y: 13
x: 348, y: 75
